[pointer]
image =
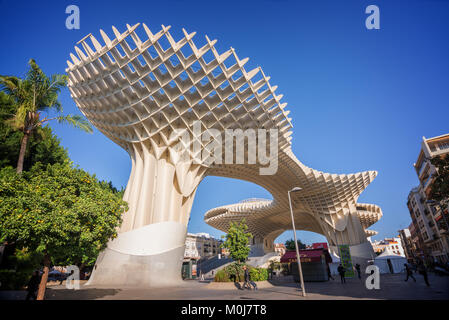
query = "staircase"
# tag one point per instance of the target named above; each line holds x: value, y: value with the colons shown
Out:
x: 260, y: 261
x: 207, y: 265
x: 210, y: 266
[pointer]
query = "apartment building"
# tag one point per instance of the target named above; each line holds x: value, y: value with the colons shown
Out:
x: 391, y: 244
x: 407, y: 243
x: 430, y: 233
x: 280, y: 248
x: 201, y: 245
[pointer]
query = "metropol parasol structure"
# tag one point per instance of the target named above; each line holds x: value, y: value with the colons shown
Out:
x: 139, y: 91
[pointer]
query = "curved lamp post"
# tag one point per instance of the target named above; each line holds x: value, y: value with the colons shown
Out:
x: 296, y: 189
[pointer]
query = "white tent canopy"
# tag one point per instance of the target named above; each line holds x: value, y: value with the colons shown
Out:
x: 335, y: 262
x: 335, y: 258
x: 389, y: 262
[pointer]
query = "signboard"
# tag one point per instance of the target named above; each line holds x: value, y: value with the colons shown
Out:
x: 302, y: 259
x: 194, y: 270
x: 319, y: 245
x: 346, y: 261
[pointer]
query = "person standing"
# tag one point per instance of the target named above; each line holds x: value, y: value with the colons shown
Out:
x: 409, y: 272
x: 423, y: 271
x: 357, y: 268
x: 270, y: 272
x: 341, y: 271
x: 33, y: 285
x: 246, y: 283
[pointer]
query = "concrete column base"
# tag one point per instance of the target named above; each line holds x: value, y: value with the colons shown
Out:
x: 150, y: 256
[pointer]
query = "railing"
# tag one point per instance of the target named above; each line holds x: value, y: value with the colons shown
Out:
x: 443, y: 145
x: 423, y: 166
x: 425, y: 184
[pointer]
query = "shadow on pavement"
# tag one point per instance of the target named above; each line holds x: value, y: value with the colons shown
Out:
x: 83, y: 294
x: 392, y: 286
x: 238, y: 285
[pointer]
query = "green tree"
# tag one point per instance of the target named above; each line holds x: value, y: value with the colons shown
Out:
x: 237, y: 241
x: 34, y: 95
x: 43, y: 145
x: 439, y: 190
x: 290, y: 245
x: 62, y: 212
x: 440, y: 185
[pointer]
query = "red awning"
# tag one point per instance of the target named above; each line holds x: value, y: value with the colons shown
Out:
x: 310, y: 255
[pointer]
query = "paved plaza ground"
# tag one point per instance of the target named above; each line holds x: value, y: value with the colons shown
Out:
x: 391, y: 287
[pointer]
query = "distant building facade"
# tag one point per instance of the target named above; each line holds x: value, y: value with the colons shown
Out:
x: 430, y: 232
x: 320, y: 245
x: 392, y: 244
x: 201, y: 245
x: 407, y: 243
x: 280, y: 248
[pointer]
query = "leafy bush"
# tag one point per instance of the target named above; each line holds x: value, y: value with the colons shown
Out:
x: 258, y: 274
x: 12, y: 280
x: 234, y: 272
x: 24, y: 260
x: 275, y: 265
x: 222, y: 276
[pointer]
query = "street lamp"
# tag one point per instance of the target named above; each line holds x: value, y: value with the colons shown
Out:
x: 296, y: 189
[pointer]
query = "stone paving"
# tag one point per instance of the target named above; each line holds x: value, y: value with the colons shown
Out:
x: 391, y: 287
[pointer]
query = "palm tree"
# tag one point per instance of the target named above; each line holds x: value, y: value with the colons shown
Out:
x: 34, y: 95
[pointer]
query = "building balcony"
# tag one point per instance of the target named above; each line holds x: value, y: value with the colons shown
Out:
x: 427, y: 183
x: 423, y: 168
x: 441, y: 226
x: 434, y: 211
x: 443, y: 148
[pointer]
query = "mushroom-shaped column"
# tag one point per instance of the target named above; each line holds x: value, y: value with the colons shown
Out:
x: 167, y: 103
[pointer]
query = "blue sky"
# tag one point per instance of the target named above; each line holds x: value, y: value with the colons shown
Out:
x: 359, y: 99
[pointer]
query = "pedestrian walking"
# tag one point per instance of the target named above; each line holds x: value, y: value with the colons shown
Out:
x: 246, y: 279
x: 33, y: 285
x: 341, y: 270
x: 357, y: 268
x: 252, y: 283
x: 329, y: 273
x: 423, y: 271
x: 409, y: 272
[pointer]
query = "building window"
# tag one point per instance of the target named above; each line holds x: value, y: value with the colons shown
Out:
x: 443, y: 145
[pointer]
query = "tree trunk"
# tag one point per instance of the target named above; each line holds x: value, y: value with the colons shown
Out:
x: 81, y: 267
x: 43, y: 284
x: 23, y: 148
